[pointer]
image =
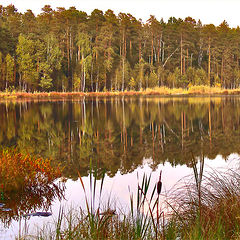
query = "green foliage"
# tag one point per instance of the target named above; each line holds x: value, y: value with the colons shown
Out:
x: 9, y: 70
x: 26, y: 51
x: 76, y: 82
x: 153, y: 80
x: 132, y: 84
x: 175, y: 79
x: 45, y: 82
x: 105, y: 51
x: 190, y: 75
x: 200, y: 77
x: 84, y: 45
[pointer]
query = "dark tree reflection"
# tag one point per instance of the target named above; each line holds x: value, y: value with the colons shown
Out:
x: 118, y: 133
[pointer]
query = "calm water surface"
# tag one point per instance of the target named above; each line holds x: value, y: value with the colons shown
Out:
x: 124, y: 136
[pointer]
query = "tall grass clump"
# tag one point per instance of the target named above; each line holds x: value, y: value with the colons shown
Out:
x: 97, y: 222
x: 208, y: 207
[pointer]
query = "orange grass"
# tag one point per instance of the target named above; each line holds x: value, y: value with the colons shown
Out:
x: 157, y: 91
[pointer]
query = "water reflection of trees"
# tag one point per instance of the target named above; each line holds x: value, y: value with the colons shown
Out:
x: 119, y: 133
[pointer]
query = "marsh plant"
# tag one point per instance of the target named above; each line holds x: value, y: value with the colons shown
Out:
x: 145, y: 215
x: 204, y: 207
x: 98, y: 220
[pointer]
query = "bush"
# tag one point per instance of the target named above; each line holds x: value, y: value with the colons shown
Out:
x: 19, y: 170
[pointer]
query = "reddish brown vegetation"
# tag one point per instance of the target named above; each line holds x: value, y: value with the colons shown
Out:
x: 158, y: 91
x: 19, y: 171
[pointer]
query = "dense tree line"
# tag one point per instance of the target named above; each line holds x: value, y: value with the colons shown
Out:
x: 66, y: 50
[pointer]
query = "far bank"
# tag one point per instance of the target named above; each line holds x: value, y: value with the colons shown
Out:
x: 158, y: 91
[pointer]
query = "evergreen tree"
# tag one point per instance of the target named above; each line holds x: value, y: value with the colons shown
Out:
x: 67, y: 49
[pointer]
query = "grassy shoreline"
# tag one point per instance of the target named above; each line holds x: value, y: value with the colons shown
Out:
x: 198, y: 212
x: 159, y: 91
x: 202, y: 206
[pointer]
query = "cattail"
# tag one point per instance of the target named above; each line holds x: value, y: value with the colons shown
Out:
x: 159, y: 184
x: 109, y: 212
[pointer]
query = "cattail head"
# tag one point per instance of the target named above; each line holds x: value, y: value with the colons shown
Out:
x: 159, y: 183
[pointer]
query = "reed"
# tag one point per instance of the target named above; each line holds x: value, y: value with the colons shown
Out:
x: 146, y: 217
x: 96, y: 222
x: 205, y: 207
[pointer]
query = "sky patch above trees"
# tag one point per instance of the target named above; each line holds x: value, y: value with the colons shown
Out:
x: 209, y: 11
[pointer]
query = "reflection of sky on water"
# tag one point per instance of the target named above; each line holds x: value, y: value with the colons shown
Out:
x: 118, y: 188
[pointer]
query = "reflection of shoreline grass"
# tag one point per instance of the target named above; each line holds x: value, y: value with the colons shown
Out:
x: 157, y: 91
x: 213, y: 214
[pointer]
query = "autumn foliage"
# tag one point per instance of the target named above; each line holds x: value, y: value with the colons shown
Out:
x: 18, y: 170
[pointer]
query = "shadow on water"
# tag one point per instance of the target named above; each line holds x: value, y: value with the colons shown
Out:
x: 17, y: 204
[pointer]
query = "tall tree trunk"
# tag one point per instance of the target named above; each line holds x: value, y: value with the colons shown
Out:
x: 163, y: 45
x: 209, y: 62
x: 68, y: 61
x: 130, y: 46
x: 152, y: 51
x: 19, y: 82
x: 15, y: 72
x: 184, y: 65
x: 109, y: 59
x: 105, y: 72
x: 140, y: 51
x: 123, y: 72
x: 91, y: 76
x: 116, y: 87
x: 181, y: 57
x: 222, y: 73
x: 97, y: 80
x: 159, y: 48
x: 125, y: 46
x: 79, y: 53
x: 123, y: 59
x: 84, y: 73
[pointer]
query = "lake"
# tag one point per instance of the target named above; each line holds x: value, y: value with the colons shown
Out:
x: 124, y: 136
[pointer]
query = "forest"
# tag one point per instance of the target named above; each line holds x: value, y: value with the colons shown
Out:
x: 69, y: 50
